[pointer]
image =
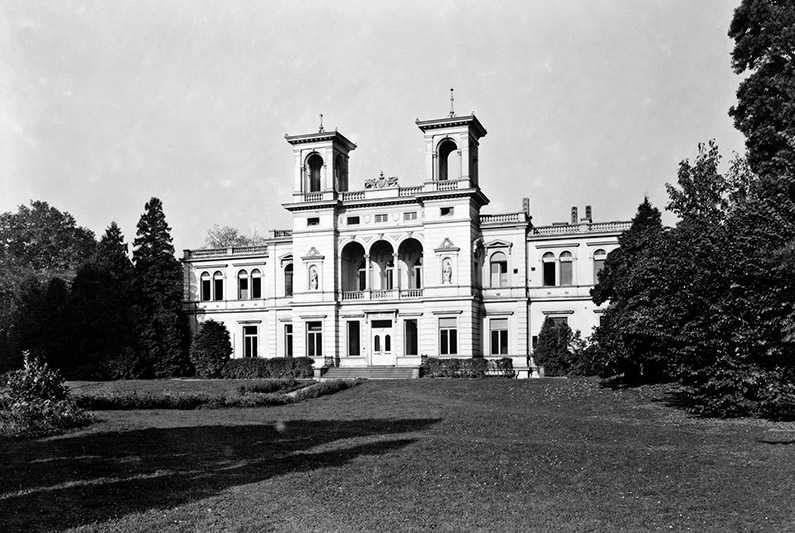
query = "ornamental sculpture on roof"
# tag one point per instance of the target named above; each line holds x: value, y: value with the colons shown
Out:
x: 381, y: 182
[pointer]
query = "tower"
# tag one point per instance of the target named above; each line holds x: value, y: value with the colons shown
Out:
x: 321, y: 162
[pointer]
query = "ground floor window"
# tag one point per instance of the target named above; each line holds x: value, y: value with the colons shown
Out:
x: 288, y: 340
x: 448, y: 336
x: 498, y: 328
x: 354, y: 338
x: 410, y: 337
x: 314, y: 339
x: 250, y: 341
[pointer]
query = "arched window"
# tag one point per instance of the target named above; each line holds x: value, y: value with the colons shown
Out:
x: 566, y: 268
x: 599, y: 258
x: 256, y: 284
x: 218, y: 286
x: 447, y: 149
x: 548, y: 260
x: 288, y: 280
x: 242, y: 285
x: 499, y: 270
x: 340, y: 173
x: 387, y: 343
x: 314, y: 164
x: 206, y: 287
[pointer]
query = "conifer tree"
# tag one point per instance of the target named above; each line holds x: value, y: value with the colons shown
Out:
x: 161, y: 327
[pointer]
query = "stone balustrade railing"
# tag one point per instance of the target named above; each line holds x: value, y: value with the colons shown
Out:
x: 594, y: 227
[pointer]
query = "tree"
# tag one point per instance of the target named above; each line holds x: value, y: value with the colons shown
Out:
x: 227, y: 236
x: 101, y: 313
x: 161, y: 327
x: 765, y: 112
x: 210, y: 349
x: 41, y: 242
x: 553, y: 350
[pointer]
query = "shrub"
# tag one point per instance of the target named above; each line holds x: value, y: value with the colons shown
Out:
x: 552, y: 351
x: 271, y: 385
x: 325, y: 387
x: 273, y: 368
x: 37, y: 402
x: 210, y: 349
x: 476, y: 367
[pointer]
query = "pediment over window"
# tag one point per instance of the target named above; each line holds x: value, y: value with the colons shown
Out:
x: 498, y: 243
x: 285, y: 259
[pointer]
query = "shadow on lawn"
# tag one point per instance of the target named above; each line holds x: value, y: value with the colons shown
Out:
x: 61, y: 483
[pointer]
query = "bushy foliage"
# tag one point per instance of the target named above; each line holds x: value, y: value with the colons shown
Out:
x: 210, y: 350
x: 476, y: 367
x: 37, y: 402
x: 555, y: 348
x: 273, y: 368
x: 270, y: 385
x: 325, y: 388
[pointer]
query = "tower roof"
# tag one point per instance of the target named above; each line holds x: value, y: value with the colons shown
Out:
x: 322, y: 136
x: 447, y: 122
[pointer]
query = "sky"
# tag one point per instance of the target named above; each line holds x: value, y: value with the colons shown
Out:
x: 104, y: 105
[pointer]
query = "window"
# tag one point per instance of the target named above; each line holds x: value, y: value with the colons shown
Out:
x: 206, y: 285
x: 288, y: 280
x: 361, y: 275
x: 499, y: 270
x: 250, y: 341
x: 559, y: 320
x: 313, y: 221
x: 242, y: 285
x: 256, y: 284
x: 381, y: 218
x: 566, y: 268
x: 288, y: 340
x: 354, y: 338
x: 411, y: 215
x: 352, y: 221
x: 445, y: 211
x: 549, y: 269
x: 448, y: 336
x: 314, y: 339
x: 499, y: 336
x: 417, y: 271
x: 390, y: 274
x: 410, y: 337
x: 315, y: 163
x: 387, y: 343
x: 218, y: 286
x: 599, y: 258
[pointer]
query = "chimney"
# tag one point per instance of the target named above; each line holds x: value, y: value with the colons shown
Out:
x: 574, y: 215
x: 526, y: 206
x: 588, y: 213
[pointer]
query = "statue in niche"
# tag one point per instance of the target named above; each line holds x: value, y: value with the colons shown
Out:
x: 312, y: 278
x: 447, y: 272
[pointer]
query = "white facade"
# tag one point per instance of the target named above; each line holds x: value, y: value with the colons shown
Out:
x: 385, y: 274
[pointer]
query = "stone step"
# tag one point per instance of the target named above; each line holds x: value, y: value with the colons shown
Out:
x: 371, y: 372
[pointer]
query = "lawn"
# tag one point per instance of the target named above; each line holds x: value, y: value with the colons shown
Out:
x: 438, y: 455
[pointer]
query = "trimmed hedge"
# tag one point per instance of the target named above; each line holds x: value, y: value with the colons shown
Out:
x: 476, y: 367
x: 273, y: 368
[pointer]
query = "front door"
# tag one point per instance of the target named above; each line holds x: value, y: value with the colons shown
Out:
x: 382, y: 342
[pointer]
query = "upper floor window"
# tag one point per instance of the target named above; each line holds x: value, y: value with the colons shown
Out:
x: 548, y: 260
x: 411, y: 215
x: 288, y: 280
x: 314, y: 165
x: 352, y: 221
x: 206, y: 287
x: 242, y: 285
x: 416, y: 281
x: 566, y: 268
x: 445, y: 211
x: 381, y: 218
x: 256, y: 284
x: 599, y: 258
x: 313, y: 221
x: 499, y: 270
x: 218, y: 286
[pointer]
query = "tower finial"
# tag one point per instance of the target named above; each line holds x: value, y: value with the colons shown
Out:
x: 452, y: 110
x: 321, y: 130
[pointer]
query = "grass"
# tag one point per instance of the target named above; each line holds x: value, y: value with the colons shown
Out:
x: 438, y: 455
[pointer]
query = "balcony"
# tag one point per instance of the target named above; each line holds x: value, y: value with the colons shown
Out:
x: 380, y: 294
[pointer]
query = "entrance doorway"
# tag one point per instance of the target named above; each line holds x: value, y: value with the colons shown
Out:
x: 382, y: 341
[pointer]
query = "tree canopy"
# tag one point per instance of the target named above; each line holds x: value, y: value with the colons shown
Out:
x: 227, y: 236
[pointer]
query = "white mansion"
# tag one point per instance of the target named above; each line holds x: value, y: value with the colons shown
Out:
x: 378, y: 277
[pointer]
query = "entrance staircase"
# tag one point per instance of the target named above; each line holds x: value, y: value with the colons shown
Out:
x: 371, y: 372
